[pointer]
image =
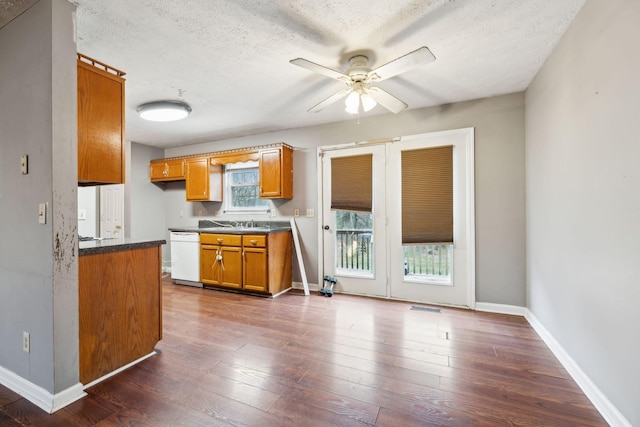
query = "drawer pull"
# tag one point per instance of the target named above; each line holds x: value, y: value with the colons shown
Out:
x: 253, y: 242
x: 220, y: 240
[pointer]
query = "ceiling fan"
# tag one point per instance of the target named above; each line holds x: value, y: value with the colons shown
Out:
x: 359, y: 79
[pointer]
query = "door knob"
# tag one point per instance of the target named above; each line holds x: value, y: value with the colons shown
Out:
x: 326, y: 227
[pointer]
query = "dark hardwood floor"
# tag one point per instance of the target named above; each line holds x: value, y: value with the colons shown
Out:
x: 230, y: 359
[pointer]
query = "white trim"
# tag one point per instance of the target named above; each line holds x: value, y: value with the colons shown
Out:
x: 37, y: 395
x: 471, y: 216
x: 608, y: 411
x: 300, y: 285
x: 117, y: 371
x: 490, y: 307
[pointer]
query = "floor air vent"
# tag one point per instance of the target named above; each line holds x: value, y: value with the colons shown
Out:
x: 422, y: 308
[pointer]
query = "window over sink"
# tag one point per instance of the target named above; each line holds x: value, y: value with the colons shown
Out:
x: 242, y: 188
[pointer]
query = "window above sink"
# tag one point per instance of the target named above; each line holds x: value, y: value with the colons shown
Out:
x: 241, y: 188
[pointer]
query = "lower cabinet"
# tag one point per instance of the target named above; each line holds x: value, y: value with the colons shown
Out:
x: 256, y: 263
x: 251, y: 263
x: 221, y: 260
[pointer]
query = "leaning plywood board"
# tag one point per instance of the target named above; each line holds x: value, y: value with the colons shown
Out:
x: 296, y: 241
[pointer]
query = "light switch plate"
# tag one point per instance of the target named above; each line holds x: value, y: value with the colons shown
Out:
x: 42, y: 213
x: 310, y: 213
x: 82, y: 214
x: 24, y: 164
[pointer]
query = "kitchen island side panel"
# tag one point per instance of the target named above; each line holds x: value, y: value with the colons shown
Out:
x: 120, y: 309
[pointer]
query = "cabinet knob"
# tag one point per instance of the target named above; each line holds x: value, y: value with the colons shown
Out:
x: 220, y: 240
x: 253, y: 242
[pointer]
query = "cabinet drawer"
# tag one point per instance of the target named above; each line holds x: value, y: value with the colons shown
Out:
x: 221, y: 239
x: 258, y: 241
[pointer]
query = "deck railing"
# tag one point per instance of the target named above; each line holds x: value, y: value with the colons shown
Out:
x: 428, y: 261
x: 354, y: 252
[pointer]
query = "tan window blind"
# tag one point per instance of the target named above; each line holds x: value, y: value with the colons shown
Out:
x: 351, y: 183
x: 427, y: 195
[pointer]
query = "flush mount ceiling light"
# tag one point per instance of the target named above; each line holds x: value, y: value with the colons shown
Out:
x: 164, y: 111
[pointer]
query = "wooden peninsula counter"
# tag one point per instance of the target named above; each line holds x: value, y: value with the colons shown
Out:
x: 120, y: 303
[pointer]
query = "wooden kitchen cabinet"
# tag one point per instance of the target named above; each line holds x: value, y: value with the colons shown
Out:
x: 267, y: 262
x: 204, y: 181
x: 276, y: 173
x: 221, y: 260
x: 101, y: 129
x: 255, y: 263
x: 258, y: 263
x: 166, y: 170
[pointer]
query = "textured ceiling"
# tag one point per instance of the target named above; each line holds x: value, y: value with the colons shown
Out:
x: 229, y: 59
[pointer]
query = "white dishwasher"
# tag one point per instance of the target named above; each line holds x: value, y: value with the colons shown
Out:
x: 185, y: 258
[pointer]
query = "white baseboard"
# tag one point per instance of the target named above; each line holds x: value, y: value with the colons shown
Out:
x: 608, y: 411
x: 300, y: 285
x: 37, y: 395
x: 501, y: 308
x: 117, y: 371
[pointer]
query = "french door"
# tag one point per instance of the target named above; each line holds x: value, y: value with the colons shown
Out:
x: 355, y: 242
x: 365, y: 252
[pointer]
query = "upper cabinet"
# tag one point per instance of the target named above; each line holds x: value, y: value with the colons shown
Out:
x: 204, y: 172
x: 100, y: 123
x: 276, y: 173
x: 204, y: 182
x: 167, y: 170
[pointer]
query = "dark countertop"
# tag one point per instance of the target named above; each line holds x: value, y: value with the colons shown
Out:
x: 93, y: 247
x: 225, y: 227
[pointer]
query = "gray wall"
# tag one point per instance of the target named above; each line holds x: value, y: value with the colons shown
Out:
x: 88, y: 200
x: 144, y: 201
x: 499, y: 163
x: 38, y: 265
x: 583, y: 198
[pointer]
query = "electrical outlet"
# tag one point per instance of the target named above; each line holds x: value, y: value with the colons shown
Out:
x: 26, y: 342
x: 180, y: 213
x: 296, y: 212
x: 310, y: 213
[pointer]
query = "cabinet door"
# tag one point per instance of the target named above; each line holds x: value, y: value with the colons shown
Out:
x: 204, y: 182
x: 255, y: 269
x: 197, y: 185
x: 209, y: 268
x: 100, y: 126
x: 231, y: 266
x: 276, y: 173
x: 166, y: 170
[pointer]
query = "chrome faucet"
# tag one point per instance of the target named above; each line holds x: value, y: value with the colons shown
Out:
x: 250, y: 224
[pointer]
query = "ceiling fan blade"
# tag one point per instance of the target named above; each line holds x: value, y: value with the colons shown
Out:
x: 301, y: 62
x: 330, y: 100
x: 387, y: 100
x: 419, y: 56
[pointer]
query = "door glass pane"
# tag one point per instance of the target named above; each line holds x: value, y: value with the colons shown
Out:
x: 428, y: 263
x: 354, y: 243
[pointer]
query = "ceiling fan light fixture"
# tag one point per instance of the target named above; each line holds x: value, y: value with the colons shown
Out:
x: 352, y: 103
x: 368, y: 103
x: 164, y: 111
